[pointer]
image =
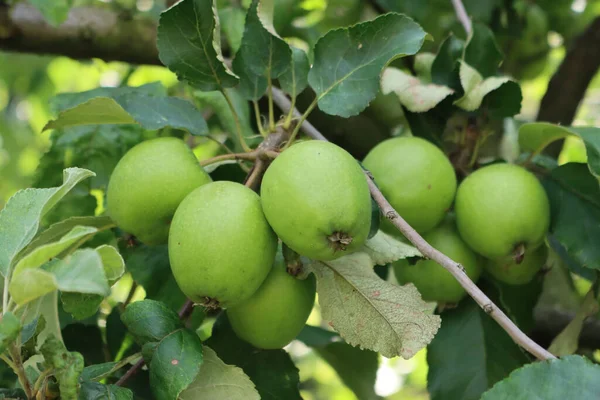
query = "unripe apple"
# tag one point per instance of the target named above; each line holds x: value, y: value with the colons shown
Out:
x: 316, y: 198
x: 148, y: 184
x: 276, y: 312
x: 221, y: 247
x: 417, y: 179
x: 508, y: 271
x: 432, y: 280
x: 502, y: 210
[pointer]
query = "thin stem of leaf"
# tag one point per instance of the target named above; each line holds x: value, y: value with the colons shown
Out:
x: 259, y: 123
x: 118, y: 366
x: 300, y: 122
x: 290, y: 114
x: 15, y: 354
x: 234, y: 156
x: 223, y: 145
x: 8, y: 362
x: 271, y: 111
x: 40, y: 380
x: 236, y: 119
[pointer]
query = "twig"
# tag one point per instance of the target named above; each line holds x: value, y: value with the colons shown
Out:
x: 15, y: 354
x: 233, y: 156
x: 462, y: 16
x: 285, y: 105
x: 130, y: 372
x: 453, y: 267
x: 255, y: 174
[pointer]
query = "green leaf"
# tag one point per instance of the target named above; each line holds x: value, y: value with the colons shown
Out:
x: 175, y: 364
x: 30, y: 337
x: 264, y: 52
x: 81, y: 272
x: 356, y: 368
x: 415, y: 95
x: 150, y: 112
x: 359, y: 54
x: 150, y: 321
x: 217, y: 380
x: 67, y: 366
x: 113, y: 263
x: 98, y: 391
x: 476, y: 88
x: 81, y: 305
x: 93, y: 372
x: 189, y: 44
x: 20, y: 217
x: 518, y: 301
x: 575, y: 212
x: 55, y: 12
x: 567, y: 341
x: 31, y: 284
x: 482, y: 52
x: 232, y: 23
x: 64, y: 101
x: 42, y: 254
x: 61, y: 228
x: 314, y: 336
x: 252, y: 86
x: 384, y: 249
x: 469, y: 354
x: 444, y: 70
x: 10, y: 327
x: 534, y: 137
x: 372, y: 313
x: 272, y: 371
x: 295, y: 79
x: 572, y: 377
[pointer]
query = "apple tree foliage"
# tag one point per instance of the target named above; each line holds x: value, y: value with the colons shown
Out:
x: 365, y: 70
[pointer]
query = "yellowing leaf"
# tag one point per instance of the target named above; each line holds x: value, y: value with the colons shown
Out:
x: 372, y: 313
x: 383, y: 249
x: 415, y: 95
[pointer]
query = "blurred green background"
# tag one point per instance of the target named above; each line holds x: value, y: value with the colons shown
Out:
x: 28, y: 82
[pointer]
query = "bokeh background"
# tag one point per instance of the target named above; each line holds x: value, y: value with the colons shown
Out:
x: 29, y: 82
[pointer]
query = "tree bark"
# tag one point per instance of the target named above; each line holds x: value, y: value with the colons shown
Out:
x: 87, y: 33
x: 568, y: 85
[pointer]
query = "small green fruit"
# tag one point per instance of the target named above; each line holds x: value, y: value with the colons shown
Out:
x: 148, y: 184
x: 500, y: 209
x: 221, y: 247
x: 417, y: 179
x: 431, y: 279
x: 316, y: 198
x: 277, y: 312
x: 508, y: 271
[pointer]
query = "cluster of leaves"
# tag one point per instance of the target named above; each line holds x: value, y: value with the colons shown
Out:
x: 455, y: 98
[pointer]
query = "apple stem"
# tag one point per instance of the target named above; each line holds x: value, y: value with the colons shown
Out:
x: 518, y: 254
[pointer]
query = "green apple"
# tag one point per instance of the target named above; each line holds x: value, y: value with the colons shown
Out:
x: 508, y: 271
x: 316, y: 198
x: 277, y: 312
x: 432, y: 280
x: 417, y: 179
x: 221, y: 247
x: 502, y: 210
x: 148, y: 184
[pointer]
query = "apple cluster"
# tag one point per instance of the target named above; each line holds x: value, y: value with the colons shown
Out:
x: 223, y: 237
x: 497, y: 217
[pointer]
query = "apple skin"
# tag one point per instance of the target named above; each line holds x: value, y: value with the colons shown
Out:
x: 417, y: 179
x: 500, y: 207
x: 314, y: 192
x: 508, y: 271
x: 148, y: 184
x: 432, y: 280
x: 277, y: 311
x: 221, y: 247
